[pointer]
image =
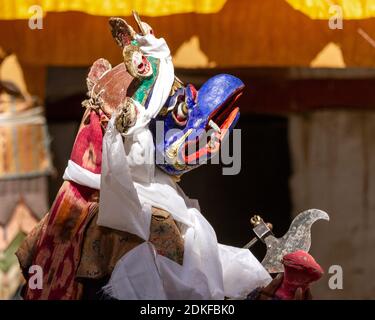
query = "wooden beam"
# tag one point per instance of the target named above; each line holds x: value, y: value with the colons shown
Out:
x: 283, y: 90
x: 268, y: 90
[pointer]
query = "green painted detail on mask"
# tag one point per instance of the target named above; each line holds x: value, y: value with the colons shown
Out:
x: 146, y: 84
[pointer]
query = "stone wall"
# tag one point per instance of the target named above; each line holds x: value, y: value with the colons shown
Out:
x: 333, y: 164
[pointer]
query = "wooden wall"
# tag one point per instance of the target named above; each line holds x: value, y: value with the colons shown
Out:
x: 333, y: 169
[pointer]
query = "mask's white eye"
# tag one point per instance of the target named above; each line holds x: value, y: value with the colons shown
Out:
x: 180, y: 113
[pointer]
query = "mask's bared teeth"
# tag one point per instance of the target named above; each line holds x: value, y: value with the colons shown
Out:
x: 213, y: 141
x: 214, y: 126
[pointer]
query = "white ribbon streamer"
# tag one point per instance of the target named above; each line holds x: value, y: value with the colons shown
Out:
x: 82, y: 176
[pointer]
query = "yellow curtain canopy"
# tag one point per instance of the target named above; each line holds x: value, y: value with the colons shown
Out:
x: 11, y: 9
x: 314, y: 9
x: 323, y: 9
x: 242, y: 33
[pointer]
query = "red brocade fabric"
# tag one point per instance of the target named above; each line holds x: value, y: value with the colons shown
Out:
x: 60, y: 240
x: 87, y: 149
x: 59, y: 247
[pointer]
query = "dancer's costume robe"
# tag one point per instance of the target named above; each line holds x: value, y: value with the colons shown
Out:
x: 123, y: 229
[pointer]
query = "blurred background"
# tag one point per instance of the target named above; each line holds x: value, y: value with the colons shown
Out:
x: 307, y: 115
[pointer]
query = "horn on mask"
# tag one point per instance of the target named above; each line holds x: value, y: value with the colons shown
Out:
x: 139, y: 23
x: 144, y: 28
x: 121, y: 31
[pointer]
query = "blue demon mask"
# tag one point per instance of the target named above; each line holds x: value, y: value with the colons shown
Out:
x: 195, y: 123
x: 189, y: 129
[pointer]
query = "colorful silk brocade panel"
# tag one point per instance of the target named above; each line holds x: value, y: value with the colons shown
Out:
x: 58, y: 248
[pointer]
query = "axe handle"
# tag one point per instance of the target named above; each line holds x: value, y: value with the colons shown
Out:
x: 251, y: 243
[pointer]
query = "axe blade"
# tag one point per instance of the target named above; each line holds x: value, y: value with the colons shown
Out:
x: 298, y: 237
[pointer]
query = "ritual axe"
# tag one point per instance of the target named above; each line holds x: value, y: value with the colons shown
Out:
x: 289, y: 253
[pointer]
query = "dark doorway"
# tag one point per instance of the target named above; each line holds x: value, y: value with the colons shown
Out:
x: 261, y: 187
